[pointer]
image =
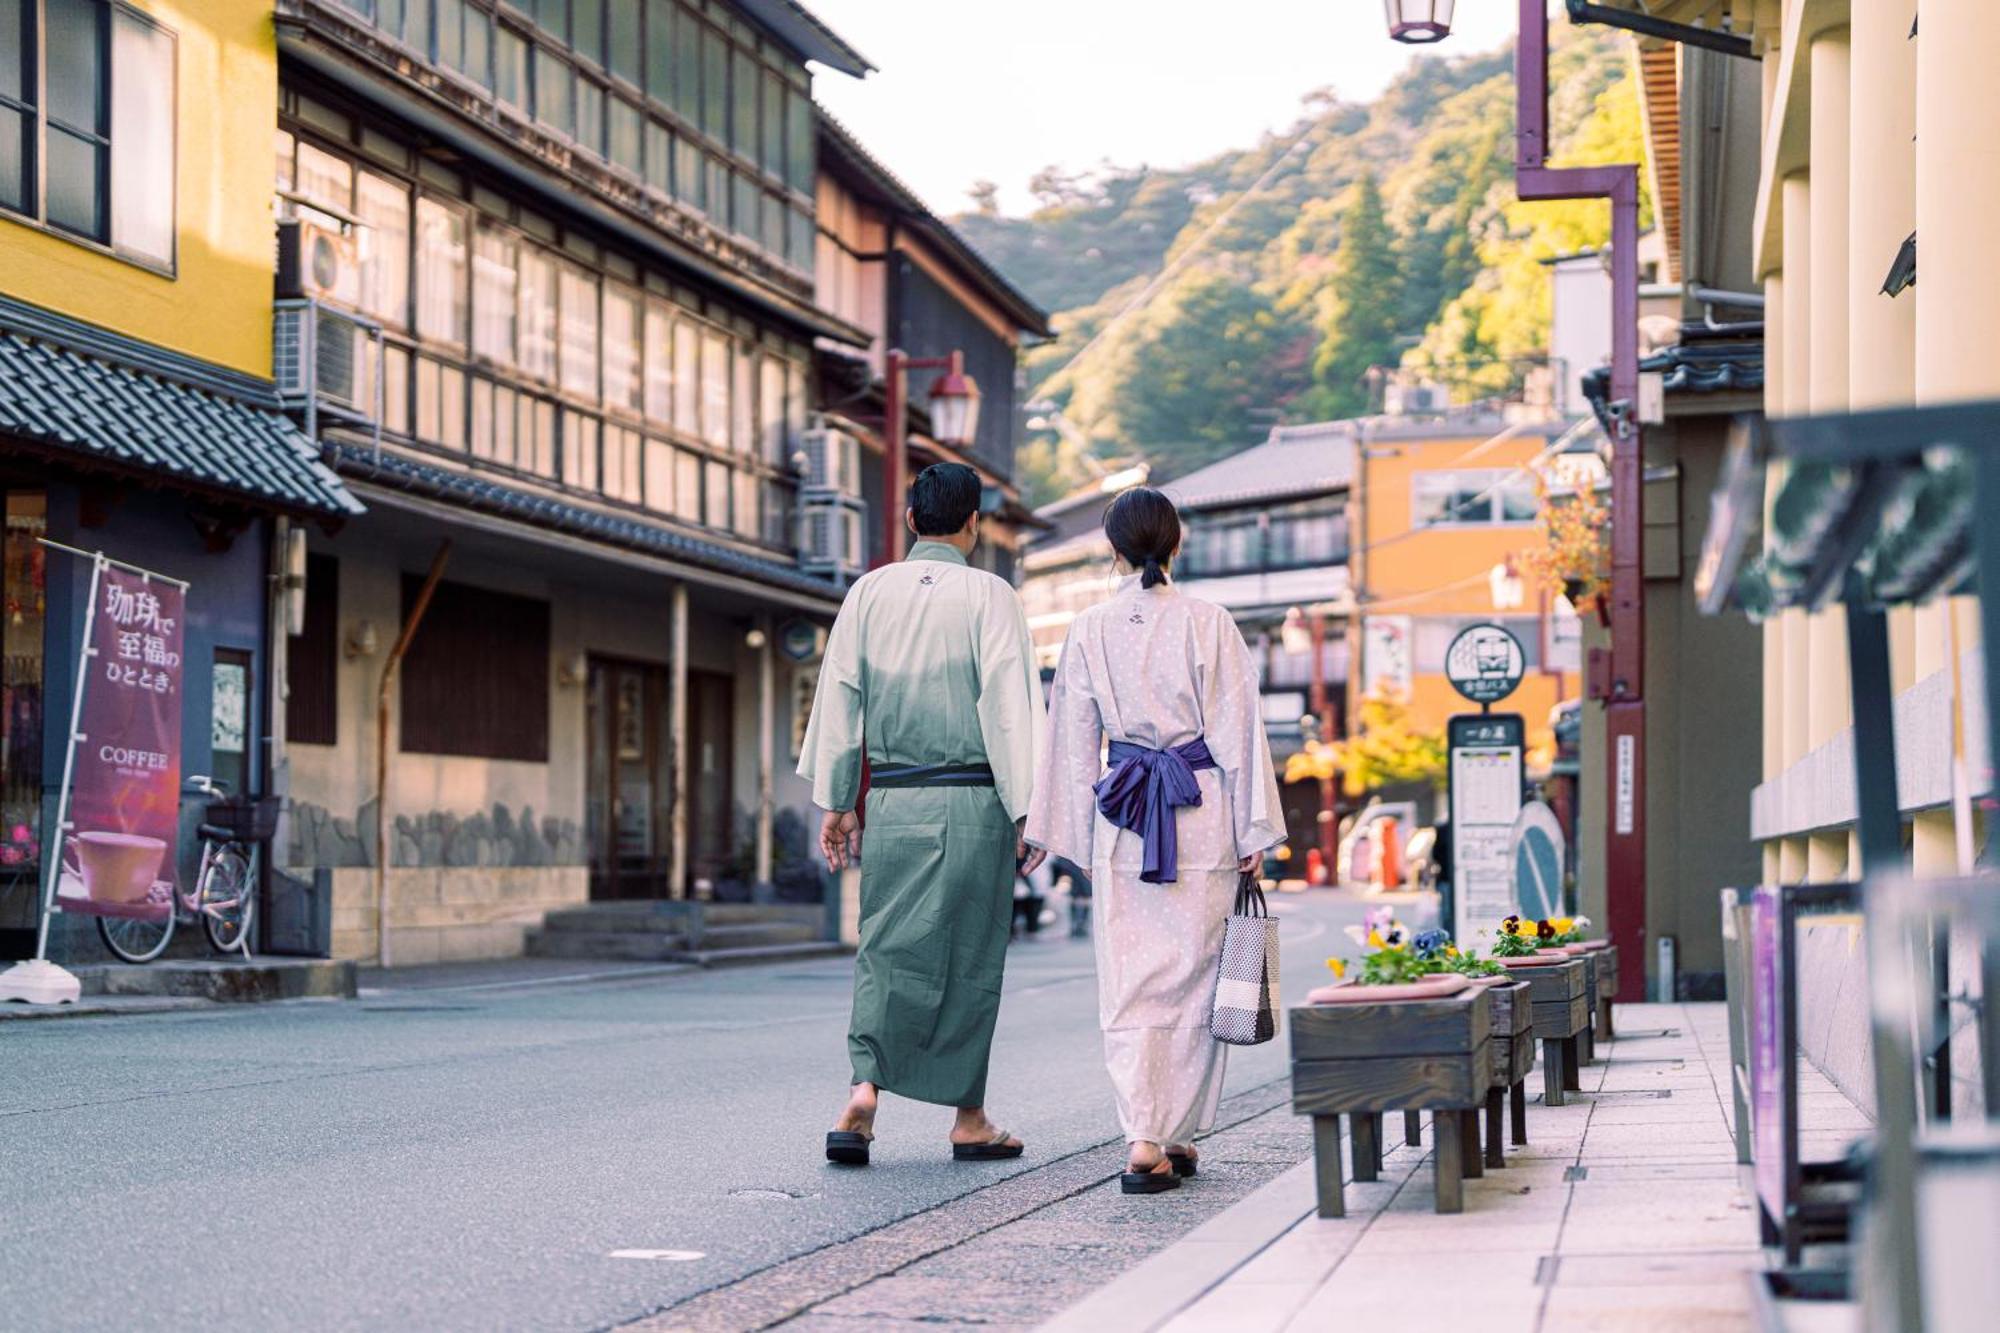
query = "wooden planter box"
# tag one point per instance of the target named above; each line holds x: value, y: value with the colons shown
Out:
x: 1360, y: 1060
x: 1559, y: 1001
x: 1593, y: 976
x: 1607, y: 989
x: 1513, y: 1060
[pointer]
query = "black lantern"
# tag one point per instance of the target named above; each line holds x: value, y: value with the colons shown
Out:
x: 1419, y: 22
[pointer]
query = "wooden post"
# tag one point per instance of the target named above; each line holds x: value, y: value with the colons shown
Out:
x: 1496, y: 1155
x: 1326, y: 1165
x: 1470, y: 1159
x: 1553, y: 1081
x: 1449, y: 1166
x: 677, y: 739
x: 1364, y: 1141
x: 1572, y: 1072
x: 1517, y: 1112
x: 1413, y: 1128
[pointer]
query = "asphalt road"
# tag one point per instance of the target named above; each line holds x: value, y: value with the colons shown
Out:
x: 472, y: 1158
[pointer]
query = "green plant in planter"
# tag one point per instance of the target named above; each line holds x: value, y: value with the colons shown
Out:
x: 1469, y: 963
x: 1517, y: 938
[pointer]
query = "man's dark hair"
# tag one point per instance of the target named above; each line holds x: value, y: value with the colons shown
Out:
x: 942, y: 498
x: 1145, y: 529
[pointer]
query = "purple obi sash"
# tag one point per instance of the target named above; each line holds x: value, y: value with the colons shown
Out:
x: 1141, y: 792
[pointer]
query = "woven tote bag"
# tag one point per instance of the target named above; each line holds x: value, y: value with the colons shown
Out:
x: 1245, y: 1012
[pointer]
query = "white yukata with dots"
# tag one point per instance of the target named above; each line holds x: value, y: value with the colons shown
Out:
x: 1158, y: 669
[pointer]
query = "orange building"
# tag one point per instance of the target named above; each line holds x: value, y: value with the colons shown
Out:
x: 1440, y: 508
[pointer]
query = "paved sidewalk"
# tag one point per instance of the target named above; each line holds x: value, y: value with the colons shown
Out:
x: 1626, y: 1211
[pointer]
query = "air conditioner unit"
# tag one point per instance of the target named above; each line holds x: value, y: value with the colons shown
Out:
x: 830, y: 460
x: 831, y: 537
x: 1413, y: 399
x: 316, y: 260
x: 320, y: 353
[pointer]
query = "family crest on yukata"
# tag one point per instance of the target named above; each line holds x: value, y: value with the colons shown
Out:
x: 1161, y: 688
x: 930, y: 674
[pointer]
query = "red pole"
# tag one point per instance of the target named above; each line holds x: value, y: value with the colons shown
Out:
x: 1624, y: 691
x: 892, y: 457
x: 1329, y: 822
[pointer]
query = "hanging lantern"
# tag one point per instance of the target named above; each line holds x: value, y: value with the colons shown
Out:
x: 1419, y: 22
x: 955, y: 406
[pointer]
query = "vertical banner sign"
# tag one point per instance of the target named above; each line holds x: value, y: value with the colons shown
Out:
x: 124, y: 799
x: 1486, y: 761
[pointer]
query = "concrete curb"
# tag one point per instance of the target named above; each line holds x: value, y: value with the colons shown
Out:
x: 225, y: 982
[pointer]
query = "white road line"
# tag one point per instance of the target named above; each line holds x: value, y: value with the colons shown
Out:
x: 668, y: 1256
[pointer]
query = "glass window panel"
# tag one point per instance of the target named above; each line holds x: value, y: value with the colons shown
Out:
x: 17, y: 80
x: 714, y: 84
x: 622, y: 465
x: 659, y: 157
x: 441, y: 271
x: 506, y: 425
x: 715, y: 389
x: 555, y: 91
x: 325, y: 179
x: 478, y: 43
x: 395, y: 391
x: 687, y: 378
x: 284, y: 149
x: 715, y: 478
x: 625, y: 52
x: 494, y: 298
x: 586, y: 26
x: 590, y: 116
x: 688, y: 175
x: 774, y: 220
x: 384, y: 245
x: 716, y: 205
x: 687, y: 486
x: 451, y: 33
x: 771, y: 411
x: 799, y: 152
x: 579, y: 332
x: 552, y: 15
x: 743, y: 216
x: 748, y: 520
x: 659, y: 476
x: 796, y: 387
x: 429, y: 408
x: 451, y: 401
x: 482, y: 419
x: 628, y: 136
x: 743, y: 404
x: 622, y: 354
x: 659, y: 48
x: 1517, y: 501
x: 16, y: 159
x: 73, y: 47
x: 142, y: 138
x: 686, y: 97
x: 76, y: 183
x: 579, y: 460
x: 801, y: 242
x: 658, y: 363
x: 536, y: 330
x: 772, y: 155
x: 746, y: 87
x: 777, y: 514
x: 510, y: 68
x: 1430, y: 497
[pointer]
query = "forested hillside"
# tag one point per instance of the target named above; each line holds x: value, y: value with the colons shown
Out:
x: 1199, y: 305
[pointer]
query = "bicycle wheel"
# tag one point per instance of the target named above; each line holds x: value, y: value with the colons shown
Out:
x: 136, y: 940
x: 227, y: 899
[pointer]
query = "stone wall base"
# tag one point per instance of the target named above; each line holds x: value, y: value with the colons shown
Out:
x: 442, y: 914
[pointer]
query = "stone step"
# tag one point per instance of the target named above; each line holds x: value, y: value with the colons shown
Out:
x: 769, y: 953
x: 653, y: 947
x: 648, y: 916
x: 754, y: 935
x: 230, y: 980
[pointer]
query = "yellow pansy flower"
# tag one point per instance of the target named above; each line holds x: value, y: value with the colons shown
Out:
x: 1338, y: 966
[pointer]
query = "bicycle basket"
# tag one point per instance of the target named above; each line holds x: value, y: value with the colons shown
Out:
x: 248, y: 819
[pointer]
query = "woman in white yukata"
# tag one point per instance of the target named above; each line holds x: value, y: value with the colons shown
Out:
x: 1165, y: 816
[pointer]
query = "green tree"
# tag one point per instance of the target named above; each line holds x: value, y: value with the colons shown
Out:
x: 1366, y: 284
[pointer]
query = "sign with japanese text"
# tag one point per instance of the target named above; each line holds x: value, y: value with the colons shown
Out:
x: 124, y: 803
x: 1484, y: 663
x: 1486, y: 757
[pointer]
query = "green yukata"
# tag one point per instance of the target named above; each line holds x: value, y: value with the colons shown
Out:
x: 931, y: 662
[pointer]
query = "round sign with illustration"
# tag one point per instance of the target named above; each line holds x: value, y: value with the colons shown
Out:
x: 1484, y: 663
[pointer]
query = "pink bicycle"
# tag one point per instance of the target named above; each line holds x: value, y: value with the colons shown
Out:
x: 232, y: 832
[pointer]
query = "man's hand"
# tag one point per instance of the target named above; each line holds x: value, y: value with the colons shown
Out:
x: 840, y: 838
x: 1029, y: 857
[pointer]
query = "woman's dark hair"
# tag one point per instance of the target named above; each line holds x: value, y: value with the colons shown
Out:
x: 943, y: 498
x: 1145, y: 530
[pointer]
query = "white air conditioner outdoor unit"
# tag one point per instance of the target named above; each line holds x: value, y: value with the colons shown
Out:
x: 317, y: 260
x: 831, y: 537
x: 1412, y: 399
x: 320, y: 353
x: 830, y: 460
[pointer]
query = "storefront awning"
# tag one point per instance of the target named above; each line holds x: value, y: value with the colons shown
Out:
x: 73, y: 402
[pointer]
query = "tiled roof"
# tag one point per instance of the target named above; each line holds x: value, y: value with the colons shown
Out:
x: 474, y: 492
x: 1294, y: 460
x: 1692, y: 367
x: 71, y: 402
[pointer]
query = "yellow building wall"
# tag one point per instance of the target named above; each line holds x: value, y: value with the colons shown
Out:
x: 217, y: 305
x: 1443, y: 572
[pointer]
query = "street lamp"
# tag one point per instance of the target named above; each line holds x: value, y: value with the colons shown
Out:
x: 1419, y: 22
x: 954, y: 404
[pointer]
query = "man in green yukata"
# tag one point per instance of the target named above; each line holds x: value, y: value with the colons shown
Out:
x: 930, y: 673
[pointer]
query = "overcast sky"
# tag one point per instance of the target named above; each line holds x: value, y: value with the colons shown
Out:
x: 998, y: 89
